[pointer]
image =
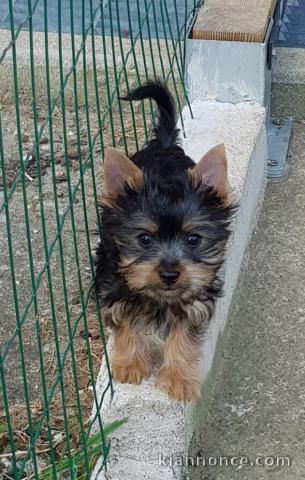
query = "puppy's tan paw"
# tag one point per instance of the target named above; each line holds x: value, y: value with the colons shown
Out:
x: 134, y: 373
x: 178, y: 388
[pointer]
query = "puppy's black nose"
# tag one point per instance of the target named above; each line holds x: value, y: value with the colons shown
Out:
x: 169, y: 277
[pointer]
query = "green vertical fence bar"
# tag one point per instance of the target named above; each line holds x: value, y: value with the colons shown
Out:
x: 141, y: 21
x: 105, y: 61
x: 158, y: 42
x: 75, y: 248
x: 29, y: 243
x: 171, y: 60
x: 3, y: 390
x: 92, y: 170
x: 94, y: 63
x: 117, y: 79
x: 126, y: 76
x: 45, y: 241
x: 179, y: 65
x: 135, y: 63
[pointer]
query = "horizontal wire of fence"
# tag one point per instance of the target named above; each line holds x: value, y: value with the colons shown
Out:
x: 64, y: 67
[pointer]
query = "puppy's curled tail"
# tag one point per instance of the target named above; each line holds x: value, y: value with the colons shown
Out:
x: 166, y: 130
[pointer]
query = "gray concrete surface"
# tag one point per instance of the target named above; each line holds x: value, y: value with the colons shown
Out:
x: 258, y: 408
x: 288, y: 65
x: 288, y: 100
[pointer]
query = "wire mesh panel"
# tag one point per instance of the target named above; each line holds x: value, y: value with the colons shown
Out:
x: 63, y: 67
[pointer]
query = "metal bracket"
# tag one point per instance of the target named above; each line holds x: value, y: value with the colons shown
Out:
x: 278, y: 16
x: 279, y: 132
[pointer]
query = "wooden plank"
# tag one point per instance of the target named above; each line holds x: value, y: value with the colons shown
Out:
x: 273, y: 7
x: 271, y: 4
x: 232, y: 22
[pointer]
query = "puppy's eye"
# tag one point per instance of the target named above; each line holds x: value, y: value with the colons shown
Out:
x: 193, y: 240
x: 145, y: 239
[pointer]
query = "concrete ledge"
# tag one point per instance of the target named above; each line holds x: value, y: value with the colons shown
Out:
x: 159, y: 429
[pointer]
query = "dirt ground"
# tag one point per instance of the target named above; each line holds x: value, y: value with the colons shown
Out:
x: 36, y: 313
x: 60, y: 277
x: 37, y: 325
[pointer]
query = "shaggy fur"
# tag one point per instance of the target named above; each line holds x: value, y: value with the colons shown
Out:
x: 165, y: 227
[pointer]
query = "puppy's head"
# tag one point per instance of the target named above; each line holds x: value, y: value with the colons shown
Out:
x: 169, y: 231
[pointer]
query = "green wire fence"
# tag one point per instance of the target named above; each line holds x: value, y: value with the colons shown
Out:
x: 63, y: 67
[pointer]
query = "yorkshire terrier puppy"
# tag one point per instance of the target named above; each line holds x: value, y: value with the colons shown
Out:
x: 165, y: 226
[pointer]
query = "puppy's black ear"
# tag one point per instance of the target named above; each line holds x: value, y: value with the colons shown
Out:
x: 119, y: 172
x: 212, y: 171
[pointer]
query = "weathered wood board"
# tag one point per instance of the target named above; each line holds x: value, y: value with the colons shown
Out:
x: 271, y: 4
x: 233, y: 20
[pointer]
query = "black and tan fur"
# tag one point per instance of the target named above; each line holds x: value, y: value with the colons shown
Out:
x: 165, y: 227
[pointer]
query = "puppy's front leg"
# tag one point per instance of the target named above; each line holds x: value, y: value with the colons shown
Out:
x: 178, y: 376
x: 130, y: 359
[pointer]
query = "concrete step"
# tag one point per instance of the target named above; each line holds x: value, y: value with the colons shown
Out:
x: 288, y: 83
x: 288, y: 65
x: 158, y: 427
